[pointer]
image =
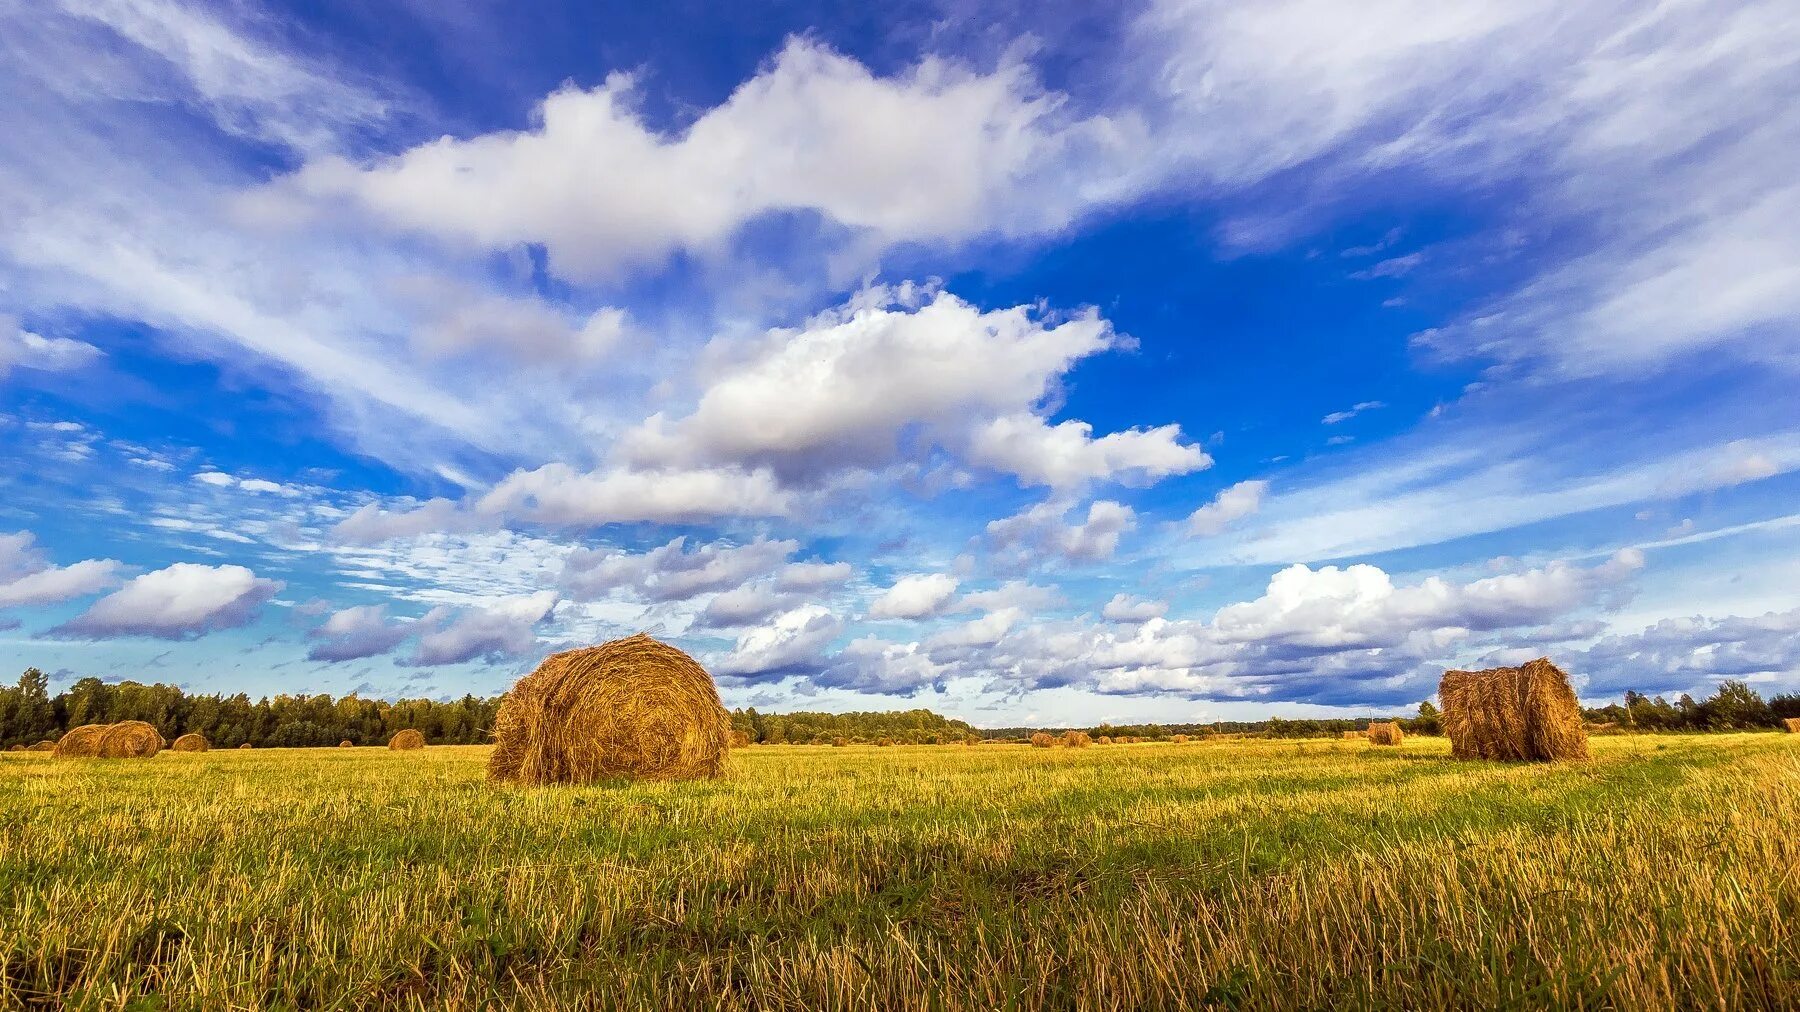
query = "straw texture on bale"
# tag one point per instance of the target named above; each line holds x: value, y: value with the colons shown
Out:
x: 1792, y: 724
x: 1076, y: 739
x: 406, y: 740
x: 43, y: 746
x: 190, y: 742
x: 129, y: 739
x: 1527, y: 713
x: 81, y: 742
x: 1042, y: 740
x: 1385, y: 732
x: 633, y: 707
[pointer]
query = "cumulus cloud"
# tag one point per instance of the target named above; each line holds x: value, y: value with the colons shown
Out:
x: 182, y: 601
x: 355, y: 633
x: 937, y: 153
x: 559, y: 494
x: 868, y: 664
x: 1232, y: 504
x: 793, y: 643
x: 914, y: 597
x: 673, y: 572
x: 902, y: 370
x: 1129, y: 610
x: 1040, y: 532
x: 28, y: 578
x: 372, y: 525
x: 1691, y: 653
x: 502, y: 630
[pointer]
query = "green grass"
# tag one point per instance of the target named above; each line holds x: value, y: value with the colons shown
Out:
x: 1241, y: 874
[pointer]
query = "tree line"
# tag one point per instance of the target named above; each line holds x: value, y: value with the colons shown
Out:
x: 29, y: 713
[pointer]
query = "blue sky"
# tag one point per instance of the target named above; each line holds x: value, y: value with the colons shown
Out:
x: 1167, y: 361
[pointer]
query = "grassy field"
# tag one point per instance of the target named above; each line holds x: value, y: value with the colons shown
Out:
x: 1256, y: 874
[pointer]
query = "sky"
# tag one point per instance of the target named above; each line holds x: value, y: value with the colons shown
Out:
x: 1037, y: 364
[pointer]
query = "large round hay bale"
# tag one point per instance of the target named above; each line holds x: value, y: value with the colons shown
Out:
x: 634, y: 707
x: 1042, y: 739
x: 406, y: 740
x: 1527, y: 713
x: 129, y: 739
x: 346, y: 743
x: 1076, y: 739
x: 80, y: 742
x: 1385, y: 732
x: 43, y: 746
x: 190, y: 742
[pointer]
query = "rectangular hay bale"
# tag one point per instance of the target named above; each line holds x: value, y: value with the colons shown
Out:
x: 1523, y: 714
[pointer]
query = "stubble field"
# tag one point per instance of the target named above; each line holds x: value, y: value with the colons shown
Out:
x: 1250, y: 874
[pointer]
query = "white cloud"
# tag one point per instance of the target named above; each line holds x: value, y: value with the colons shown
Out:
x: 900, y: 364
x: 1356, y: 409
x: 1130, y: 610
x: 1039, y: 533
x: 913, y: 597
x: 28, y: 578
x: 675, y: 571
x: 354, y: 633
x: 178, y: 602
x: 1234, y: 503
x: 558, y: 494
x: 503, y: 629
x: 811, y: 576
x: 939, y: 153
x: 22, y: 349
x: 794, y: 643
x: 371, y: 525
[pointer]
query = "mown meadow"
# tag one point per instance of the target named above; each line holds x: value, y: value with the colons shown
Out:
x: 1232, y: 874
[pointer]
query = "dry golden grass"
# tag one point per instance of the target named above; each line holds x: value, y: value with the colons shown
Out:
x: 1248, y: 874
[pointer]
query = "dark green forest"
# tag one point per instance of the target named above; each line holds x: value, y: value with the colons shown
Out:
x: 29, y: 713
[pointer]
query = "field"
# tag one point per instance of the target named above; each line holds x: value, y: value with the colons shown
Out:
x: 1252, y: 874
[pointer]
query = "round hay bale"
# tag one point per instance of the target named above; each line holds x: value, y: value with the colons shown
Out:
x: 42, y: 746
x: 15, y: 747
x: 633, y: 707
x: 839, y: 742
x: 1105, y: 739
x: 1527, y: 713
x: 80, y: 742
x: 1042, y: 739
x: 740, y: 739
x: 245, y: 745
x: 1180, y: 739
x: 1076, y: 739
x: 346, y: 743
x: 129, y: 739
x: 190, y: 742
x: 1792, y: 724
x: 1385, y: 732
x: 406, y: 740
x: 884, y: 742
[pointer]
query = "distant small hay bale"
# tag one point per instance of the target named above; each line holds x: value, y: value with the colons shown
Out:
x: 839, y: 742
x: 1527, y: 713
x: 80, y: 742
x: 1385, y: 732
x: 406, y: 740
x: 190, y: 742
x: 884, y: 742
x: 245, y: 745
x: 1354, y: 735
x: 1076, y: 739
x: 740, y: 739
x: 129, y: 739
x: 1792, y: 724
x: 1105, y: 739
x: 1042, y: 740
x: 15, y: 747
x: 634, y: 707
x: 346, y: 743
x: 43, y: 746
x: 1180, y: 739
